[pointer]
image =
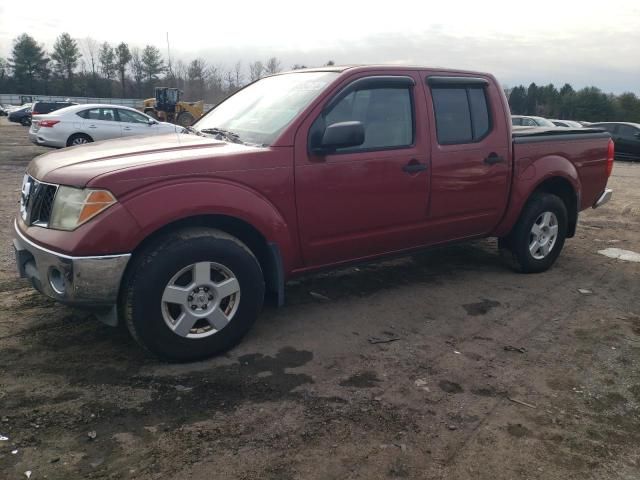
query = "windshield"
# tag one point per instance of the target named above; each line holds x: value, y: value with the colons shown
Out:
x: 258, y: 113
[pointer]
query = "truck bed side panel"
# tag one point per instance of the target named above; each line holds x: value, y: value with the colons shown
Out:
x: 579, y: 159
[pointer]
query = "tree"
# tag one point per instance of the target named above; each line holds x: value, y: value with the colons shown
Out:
x: 90, y: 51
x: 152, y: 63
x: 123, y: 57
x: 518, y: 100
x: 330, y: 63
x: 237, y: 72
x: 28, y: 61
x: 196, y: 78
x: 256, y: 70
x: 272, y: 66
x: 532, y: 100
x: 138, y: 69
x: 107, y: 64
x: 66, y: 55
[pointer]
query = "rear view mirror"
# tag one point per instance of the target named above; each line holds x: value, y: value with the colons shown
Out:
x: 340, y: 135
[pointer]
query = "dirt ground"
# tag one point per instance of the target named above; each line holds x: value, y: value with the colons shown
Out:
x: 442, y: 365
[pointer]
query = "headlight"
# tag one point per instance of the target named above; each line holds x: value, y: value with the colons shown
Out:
x: 74, y: 206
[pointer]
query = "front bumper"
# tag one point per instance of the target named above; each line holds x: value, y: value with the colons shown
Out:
x: 79, y: 281
x: 603, y: 198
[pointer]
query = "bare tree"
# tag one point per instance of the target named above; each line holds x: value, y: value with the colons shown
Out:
x: 137, y: 68
x: 239, y: 77
x: 273, y: 66
x: 256, y: 70
x: 90, y: 48
x: 197, y: 79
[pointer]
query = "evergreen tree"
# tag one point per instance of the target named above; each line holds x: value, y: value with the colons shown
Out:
x: 152, y: 64
x: 518, y: 100
x: 66, y: 55
x: 28, y: 61
x: 107, y: 59
x: 122, y: 59
x: 532, y: 100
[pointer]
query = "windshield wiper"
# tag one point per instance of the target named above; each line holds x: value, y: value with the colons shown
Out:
x: 193, y: 130
x: 221, y: 134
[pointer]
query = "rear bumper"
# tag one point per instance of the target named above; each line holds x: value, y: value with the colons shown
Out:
x: 38, y: 138
x: 603, y: 198
x: 79, y: 281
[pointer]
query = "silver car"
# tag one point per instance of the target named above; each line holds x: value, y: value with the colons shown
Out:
x: 87, y: 123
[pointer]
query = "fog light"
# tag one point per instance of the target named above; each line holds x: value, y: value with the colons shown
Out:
x: 56, y: 280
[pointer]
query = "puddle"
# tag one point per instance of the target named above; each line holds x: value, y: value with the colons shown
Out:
x: 620, y: 254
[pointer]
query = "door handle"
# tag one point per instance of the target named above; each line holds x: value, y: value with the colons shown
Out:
x: 414, y: 167
x: 127, y: 128
x: 493, y: 158
x: 92, y: 126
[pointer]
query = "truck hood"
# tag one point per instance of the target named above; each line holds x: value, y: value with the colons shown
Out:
x: 76, y: 166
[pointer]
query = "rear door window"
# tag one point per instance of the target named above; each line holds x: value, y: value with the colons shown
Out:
x: 627, y: 131
x: 105, y: 114
x: 462, y: 114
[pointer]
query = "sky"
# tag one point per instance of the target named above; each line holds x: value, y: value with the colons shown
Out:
x: 547, y: 41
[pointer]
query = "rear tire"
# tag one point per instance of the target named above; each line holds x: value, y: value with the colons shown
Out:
x: 193, y: 264
x: 78, y: 139
x: 539, y: 234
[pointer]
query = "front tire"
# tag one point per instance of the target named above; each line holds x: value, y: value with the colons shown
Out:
x: 539, y: 234
x: 185, y: 119
x: 192, y: 294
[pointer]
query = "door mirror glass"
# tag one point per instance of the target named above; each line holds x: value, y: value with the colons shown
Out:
x: 340, y: 135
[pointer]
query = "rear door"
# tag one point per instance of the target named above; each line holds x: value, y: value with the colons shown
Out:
x: 374, y: 198
x: 470, y: 155
x: 101, y: 123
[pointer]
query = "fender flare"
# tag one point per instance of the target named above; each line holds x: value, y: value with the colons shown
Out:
x: 198, y: 197
x: 529, y: 180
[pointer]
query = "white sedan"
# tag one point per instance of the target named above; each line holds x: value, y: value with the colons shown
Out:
x: 87, y: 123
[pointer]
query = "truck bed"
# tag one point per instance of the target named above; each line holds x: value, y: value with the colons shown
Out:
x: 528, y: 134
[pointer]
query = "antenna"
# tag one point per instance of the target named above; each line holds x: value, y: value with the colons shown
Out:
x: 169, y: 55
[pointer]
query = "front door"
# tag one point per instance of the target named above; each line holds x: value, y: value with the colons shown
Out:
x: 470, y: 155
x: 373, y: 198
x: 134, y: 123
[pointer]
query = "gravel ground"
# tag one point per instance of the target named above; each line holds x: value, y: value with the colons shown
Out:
x: 444, y: 364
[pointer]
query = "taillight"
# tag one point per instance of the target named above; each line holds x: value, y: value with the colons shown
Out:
x: 48, y: 123
x: 611, y: 151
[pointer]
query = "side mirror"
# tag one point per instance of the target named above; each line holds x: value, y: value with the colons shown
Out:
x: 340, y: 135
x: 151, y: 121
x: 637, y: 135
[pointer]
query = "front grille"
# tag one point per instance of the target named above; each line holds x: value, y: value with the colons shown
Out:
x: 36, y: 201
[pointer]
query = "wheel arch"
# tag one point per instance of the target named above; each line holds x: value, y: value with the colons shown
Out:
x: 267, y: 253
x: 564, y: 189
x: 76, y: 134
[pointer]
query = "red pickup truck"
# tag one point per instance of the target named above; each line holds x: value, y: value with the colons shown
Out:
x: 182, y: 236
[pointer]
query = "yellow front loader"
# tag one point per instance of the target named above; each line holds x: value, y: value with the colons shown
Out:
x: 167, y: 107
